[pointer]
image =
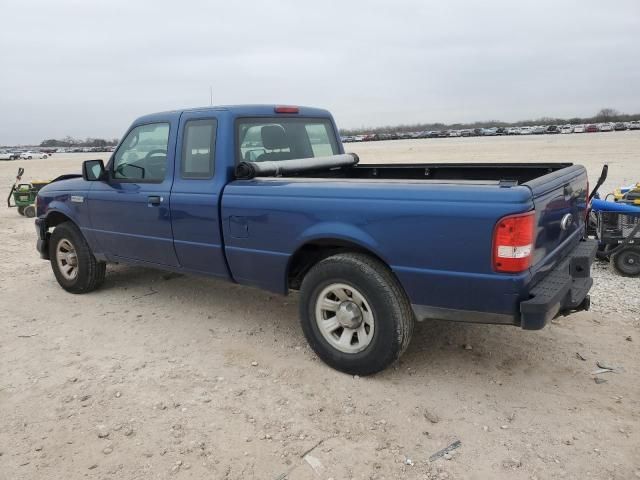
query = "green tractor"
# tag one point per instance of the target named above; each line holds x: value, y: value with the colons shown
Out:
x: 24, y: 195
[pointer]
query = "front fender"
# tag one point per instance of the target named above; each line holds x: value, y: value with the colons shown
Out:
x: 73, y: 206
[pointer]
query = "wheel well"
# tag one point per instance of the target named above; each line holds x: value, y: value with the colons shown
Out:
x: 56, y: 218
x: 313, y: 252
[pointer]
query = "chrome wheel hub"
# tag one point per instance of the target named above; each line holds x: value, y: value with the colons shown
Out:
x: 344, y: 318
x: 67, y: 259
x: 349, y: 314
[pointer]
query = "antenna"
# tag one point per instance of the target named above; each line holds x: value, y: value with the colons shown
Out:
x: 210, y: 95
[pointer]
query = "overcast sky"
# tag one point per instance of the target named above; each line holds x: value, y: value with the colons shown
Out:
x: 88, y: 68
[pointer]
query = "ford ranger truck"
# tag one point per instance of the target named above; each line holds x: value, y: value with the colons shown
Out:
x: 265, y: 196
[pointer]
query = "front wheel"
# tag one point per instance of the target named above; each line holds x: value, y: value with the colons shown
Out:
x: 355, y: 314
x: 72, y: 261
x: 627, y: 261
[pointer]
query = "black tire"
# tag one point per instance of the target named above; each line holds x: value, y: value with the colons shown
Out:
x: 30, y: 211
x: 626, y: 262
x: 390, y: 307
x: 21, y: 210
x: 603, y: 252
x: 90, y: 272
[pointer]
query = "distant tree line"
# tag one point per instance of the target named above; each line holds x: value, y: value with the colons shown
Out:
x: 73, y: 142
x: 604, y: 115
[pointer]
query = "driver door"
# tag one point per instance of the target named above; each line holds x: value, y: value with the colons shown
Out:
x: 129, y: 212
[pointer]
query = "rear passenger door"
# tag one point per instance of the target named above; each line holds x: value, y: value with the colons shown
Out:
x: 195, y: 195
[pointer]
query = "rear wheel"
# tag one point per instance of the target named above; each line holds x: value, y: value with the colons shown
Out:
x: 72, y: 261
x: 627, y: 261
x: 30, y: 211
x: 355, y: 314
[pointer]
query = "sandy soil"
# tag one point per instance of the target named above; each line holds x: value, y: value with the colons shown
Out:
x: 158, y: 376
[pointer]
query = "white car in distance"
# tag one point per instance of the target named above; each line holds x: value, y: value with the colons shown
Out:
x: 28, y: 155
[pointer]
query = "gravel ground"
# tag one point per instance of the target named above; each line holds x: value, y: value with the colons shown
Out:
x: 158, y: 376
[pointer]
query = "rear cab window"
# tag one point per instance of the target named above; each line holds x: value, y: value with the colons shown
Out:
x: 274, y: 139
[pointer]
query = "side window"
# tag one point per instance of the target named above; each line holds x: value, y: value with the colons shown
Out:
x: 143, y: 154
x: 198, y: 148
x: 320, y: 139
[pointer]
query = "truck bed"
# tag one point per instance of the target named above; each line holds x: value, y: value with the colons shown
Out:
x: 505, y: 174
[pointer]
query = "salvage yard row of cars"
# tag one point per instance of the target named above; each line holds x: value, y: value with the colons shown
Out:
x: 16, y: 154
x: 494, y: 131
x: 19, y: 154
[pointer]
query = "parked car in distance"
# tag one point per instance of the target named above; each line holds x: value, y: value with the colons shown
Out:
x: 490, y: 132
x: 606, y: 127
x: 281, y: 216
x: 552, y: 129
x: 28, y: 155
x: 591, y: 128
x: 4, y: 155
x: 526, y: 130
x: 579, y: 129
x: 466, y: 132
x: 620, y: 126
x: 566, y: 129
x: 634, y: 125
x: 538, y: 129
x: 513, y: 131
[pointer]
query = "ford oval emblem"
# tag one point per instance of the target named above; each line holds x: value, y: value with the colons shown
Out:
x: 566, y: 221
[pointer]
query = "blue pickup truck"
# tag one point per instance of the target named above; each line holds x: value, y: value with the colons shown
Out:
x: 265, y: 196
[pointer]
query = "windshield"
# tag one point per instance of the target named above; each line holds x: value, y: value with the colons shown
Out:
x: 273, y: 139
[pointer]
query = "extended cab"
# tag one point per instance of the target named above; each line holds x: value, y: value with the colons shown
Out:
x: 265, y: 196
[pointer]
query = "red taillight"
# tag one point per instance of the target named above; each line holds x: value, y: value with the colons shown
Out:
x: 286, y: 109
x: 513, y: 243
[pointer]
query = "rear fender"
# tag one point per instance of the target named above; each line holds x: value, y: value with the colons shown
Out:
x: 332, y: 235
x: 345, y: 232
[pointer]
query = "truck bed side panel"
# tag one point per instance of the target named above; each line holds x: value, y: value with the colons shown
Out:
x: 436, y: 237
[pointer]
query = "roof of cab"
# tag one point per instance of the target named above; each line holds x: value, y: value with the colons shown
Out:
x: 236, y: 111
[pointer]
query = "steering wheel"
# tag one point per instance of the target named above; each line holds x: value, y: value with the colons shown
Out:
x: 155, y: 152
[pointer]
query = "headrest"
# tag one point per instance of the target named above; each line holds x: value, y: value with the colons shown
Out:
x: 273, y: 137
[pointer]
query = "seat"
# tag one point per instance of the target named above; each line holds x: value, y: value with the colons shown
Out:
x: 274, y: 138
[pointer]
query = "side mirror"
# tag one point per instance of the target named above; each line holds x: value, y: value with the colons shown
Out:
x: 93, y: 170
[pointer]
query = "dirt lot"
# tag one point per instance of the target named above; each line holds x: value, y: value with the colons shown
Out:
x: 158, y: 376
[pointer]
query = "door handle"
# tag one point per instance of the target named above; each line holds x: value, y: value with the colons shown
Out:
x: 155, y: 200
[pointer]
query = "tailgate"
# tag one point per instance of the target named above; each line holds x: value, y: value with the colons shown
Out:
x: 560, y: 200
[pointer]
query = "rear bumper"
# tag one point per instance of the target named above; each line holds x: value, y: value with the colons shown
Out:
x: 42, y: 245
x: 563, y: 290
